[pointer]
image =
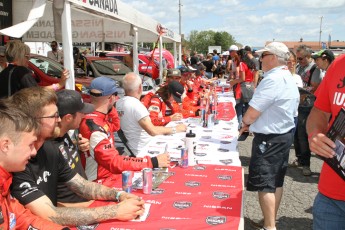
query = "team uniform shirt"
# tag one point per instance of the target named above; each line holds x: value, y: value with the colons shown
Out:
x: 330, y: 99
x: 21, y: 78
x: 103, y: 160
x: 277, y: 98
x: 13, y: 214
x: 131, y: 111
x: 160, y: 111
x: 41, y: 175
x: 69, y: 151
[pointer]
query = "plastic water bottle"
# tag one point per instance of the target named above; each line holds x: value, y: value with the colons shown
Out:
x: 190, y: 145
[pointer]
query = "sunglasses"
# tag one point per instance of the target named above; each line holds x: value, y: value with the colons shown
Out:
x: 264, y: 55
x: 300, y: 58
x: 56, y: 116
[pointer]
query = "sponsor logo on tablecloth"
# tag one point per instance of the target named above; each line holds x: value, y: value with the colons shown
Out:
x: 200, y: 168
x: 182, y: 204
x: 200, y: 154
x: 192, y: 183
x: 220, y: 195
x: 216, y: 220
x: 226, y: 162
x: 157, y: 191
x: 224, y: 177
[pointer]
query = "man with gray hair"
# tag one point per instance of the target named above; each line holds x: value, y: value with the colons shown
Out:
x: 135, y: 119
x: 270, y: 117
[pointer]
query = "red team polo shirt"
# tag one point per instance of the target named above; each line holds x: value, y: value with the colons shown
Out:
x: 330, y: 99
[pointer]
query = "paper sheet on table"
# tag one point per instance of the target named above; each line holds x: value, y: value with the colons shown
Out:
x: 145, y: 215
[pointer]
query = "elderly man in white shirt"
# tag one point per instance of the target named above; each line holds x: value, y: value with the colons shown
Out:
x: 135, y: 119
x: 270, y: 117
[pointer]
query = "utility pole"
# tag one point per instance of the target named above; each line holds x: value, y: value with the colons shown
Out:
x: 179, y: 17
x: 320, y: 31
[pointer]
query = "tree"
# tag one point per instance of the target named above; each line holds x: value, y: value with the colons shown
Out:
x: 200, y: 41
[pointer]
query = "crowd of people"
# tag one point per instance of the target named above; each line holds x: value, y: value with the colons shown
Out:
x: 55, y: 175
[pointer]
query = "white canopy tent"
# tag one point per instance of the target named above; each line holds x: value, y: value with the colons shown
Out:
x: 85, y: 21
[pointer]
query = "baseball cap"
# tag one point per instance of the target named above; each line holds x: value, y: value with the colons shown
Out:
x: 176, y: 89
x: 277, y: 48
x: 2, y: 50
x: 187, y: 69
x: 174, y: 73
x: 247, y: 48
x: 233, y: 48
x: 102, y: 86
x: 70, y: 102
x: 324, y: 54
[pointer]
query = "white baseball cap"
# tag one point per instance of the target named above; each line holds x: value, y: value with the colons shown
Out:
x: 277, y: 48
x: 233, y: 48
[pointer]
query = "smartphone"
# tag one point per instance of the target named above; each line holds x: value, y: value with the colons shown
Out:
x: 243, y: 136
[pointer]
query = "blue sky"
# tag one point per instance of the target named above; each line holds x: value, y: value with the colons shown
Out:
x: 252, y: 22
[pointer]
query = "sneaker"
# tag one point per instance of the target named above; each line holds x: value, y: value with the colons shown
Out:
x: 295, y: 163
x: 306, y: 171
x: 257, y: 224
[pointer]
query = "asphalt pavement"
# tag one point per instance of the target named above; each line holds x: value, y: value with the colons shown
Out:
x: 295, y: 211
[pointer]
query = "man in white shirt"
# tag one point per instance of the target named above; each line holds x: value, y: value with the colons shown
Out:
x: 55, y: 53
x: 135, y: 121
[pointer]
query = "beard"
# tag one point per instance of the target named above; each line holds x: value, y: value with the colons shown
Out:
x: 56, y: 132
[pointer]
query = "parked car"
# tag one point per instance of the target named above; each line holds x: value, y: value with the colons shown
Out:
x: 115, y: 69
x: 47, y: 72
x: 147, y: 66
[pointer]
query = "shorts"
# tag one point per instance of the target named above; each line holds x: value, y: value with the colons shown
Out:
x: 269, y: 161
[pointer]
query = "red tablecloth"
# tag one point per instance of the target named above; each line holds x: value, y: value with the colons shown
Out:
x: 200, y: 197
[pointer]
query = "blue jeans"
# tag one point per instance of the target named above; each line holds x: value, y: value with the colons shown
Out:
x: 241, y: 109
x: 328, y: 213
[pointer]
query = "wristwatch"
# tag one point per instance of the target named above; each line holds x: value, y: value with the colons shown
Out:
x: 173, y: 130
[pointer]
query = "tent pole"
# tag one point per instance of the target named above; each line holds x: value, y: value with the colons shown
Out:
x: 67, y: 44
x: 135, y: 51
x: 175, y: 54
x: 160, y: 59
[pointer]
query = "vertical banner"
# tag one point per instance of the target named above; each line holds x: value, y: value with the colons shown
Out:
x: 5, y: 18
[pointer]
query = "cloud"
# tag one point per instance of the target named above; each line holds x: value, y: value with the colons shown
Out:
x: 252, y: 22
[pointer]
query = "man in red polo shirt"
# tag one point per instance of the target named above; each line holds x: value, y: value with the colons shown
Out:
x: 329, y: 204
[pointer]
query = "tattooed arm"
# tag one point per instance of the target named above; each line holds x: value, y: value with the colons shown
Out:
x: 93, y: 191
x: 125, y: 210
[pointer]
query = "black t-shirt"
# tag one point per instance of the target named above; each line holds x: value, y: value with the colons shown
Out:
x: 208, y: 65
x: 21, y: 78
x: 194, y: 60
x: 70, y: 153
x: 41, y: 175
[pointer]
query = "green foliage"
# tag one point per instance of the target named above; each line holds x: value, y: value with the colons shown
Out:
x: 200, y: 41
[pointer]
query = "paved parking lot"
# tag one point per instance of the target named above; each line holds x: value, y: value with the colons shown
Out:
x: 295, y: 212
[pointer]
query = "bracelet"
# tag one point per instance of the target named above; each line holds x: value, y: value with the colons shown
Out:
x: 118, y: 194
x: 55, y: 87
x: 173, y: 130
x: 313, y: 134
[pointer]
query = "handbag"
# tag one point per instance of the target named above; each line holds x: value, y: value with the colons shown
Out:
x: 247, y: 91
